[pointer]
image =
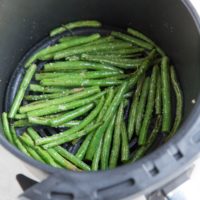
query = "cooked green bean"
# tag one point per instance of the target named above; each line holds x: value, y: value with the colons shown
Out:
x: 84, y: 75
x: 141, y: 105
x: 60, y: 100
x: 133, y: 40
x: 26, y: 139
x: 97, y: 155
x: 54, y: 152
x: 166, y: 96
x: 62, y: 119
x: 6, y: 127
x: 179, y: 102
x: 74, y: 65
x: 64, y: 153
x: 68, y: 38
x: 81, y: 82
x: 82, y: 125
x: 107, y: 117
x: 17, y: 142
x: 115, y: 150
x: 45, y: 96
x: 143, y: 149
x: 71, y: 137
x: 64, y: 107
x: 133, y: 109
x: 73, y: 25
x: 158, y: 100
x: 142, y: 69
x: 73, y: 159
x: 39, y: 88
x: 102, y: 40
x: 123, y: 63
x: 124, y: 146
x: 83, y: 148
x: 92, y: 48
x: 127, y: 51
x: 50, y: 50
x: 149, y: 108
x: 145, y: 38
x: 67, y: 117
x: 22, y: 89
x: 46, y: 75
x: 107, y: 145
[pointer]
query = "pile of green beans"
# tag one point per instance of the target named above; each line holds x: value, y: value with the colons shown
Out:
x: 99, y: 91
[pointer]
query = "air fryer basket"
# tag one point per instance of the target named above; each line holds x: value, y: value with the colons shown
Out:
x: 174, y: 25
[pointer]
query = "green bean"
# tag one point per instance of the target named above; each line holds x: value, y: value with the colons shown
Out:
x: 179, y: 102
x: 105, y: 107
x: 64, y: 107
x: 73, y: 159
x: 17, y: 142
x: 55, y: 122
x: 59, y: 159
x: 80, y: 82
x: 116, y: 138
x: 34, y: 154
x: 107, y: 118
x: 26, y: 139
x: 68, y: 38
x: 51, y: 50
x: 97, y: 155
x: 122, y: 52
x: 158, y: 100
x: 41, y: 76
x: 39, y: 88
x: 92, y: 48
x: 70, y: 115
x: 69, y: 138
x: 25, y: 122
x: 60, y: 100
x: 20, y: 116
x: 75, y: 65
x: 166, y: 96
x: 141, y: 105
x: 83, y: 148
x: 133, y: 40
x: 64, y: 153
x: 83, y: 124
x: 123, y: 63
x: 45, y: 96
x: 107, y: 144
x: 109, y: 98
x: 21, y: 91
x: 143, y: 149
x: 149, y: 108
x: 84, y: 75
x: 133, y: 109
x: 22, y: 122
x: 124, y: 146
x: 101, y: 40
x: 72, y: 25
x: 145, y: 38
x: 70, y: 124
x: 6, y: 128
x: 53, y: 152
x: 142, y: 69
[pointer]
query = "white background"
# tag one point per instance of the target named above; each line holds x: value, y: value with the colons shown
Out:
x: 10, y: 166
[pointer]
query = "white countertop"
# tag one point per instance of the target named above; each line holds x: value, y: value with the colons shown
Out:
x: 10, y: 166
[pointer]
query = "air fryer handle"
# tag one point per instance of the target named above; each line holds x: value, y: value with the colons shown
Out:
x: 59, y: 187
